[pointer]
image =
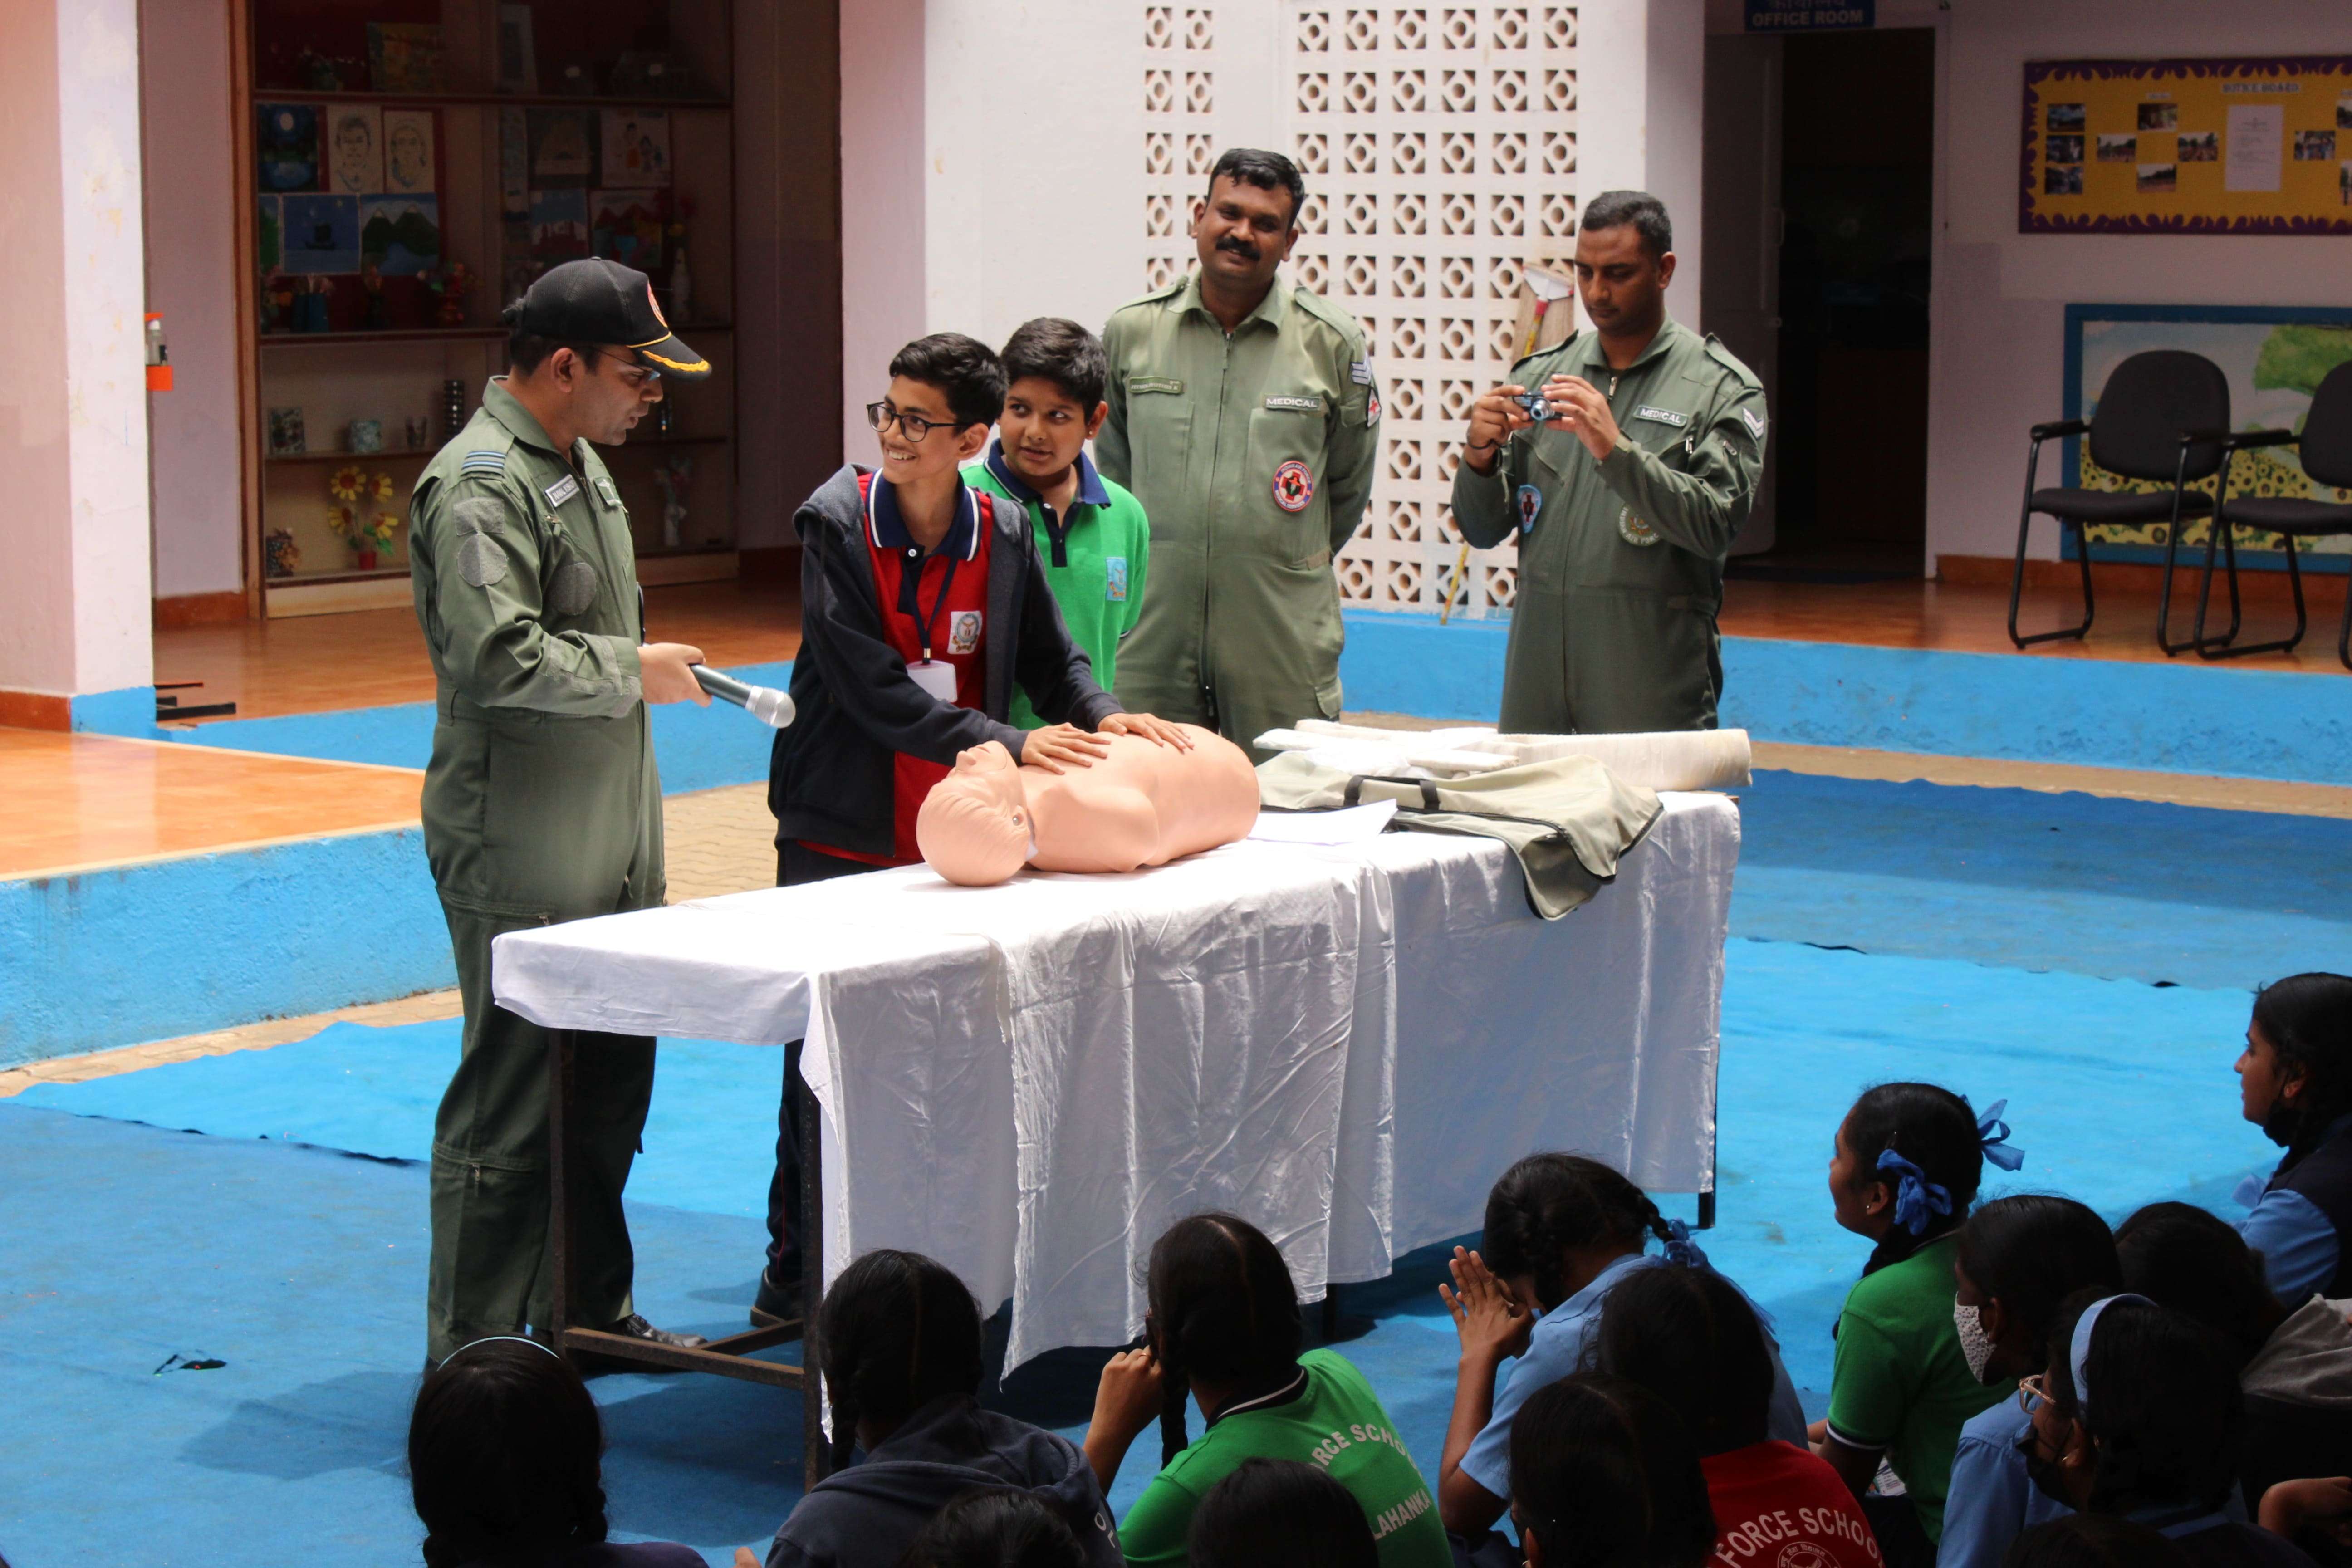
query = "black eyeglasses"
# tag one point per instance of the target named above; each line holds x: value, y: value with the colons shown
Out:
x: 913, y: 426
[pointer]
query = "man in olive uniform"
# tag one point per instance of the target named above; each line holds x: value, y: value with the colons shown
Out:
x: 542, y: 804
x: 1624, y: 501
x: 1244, y: 416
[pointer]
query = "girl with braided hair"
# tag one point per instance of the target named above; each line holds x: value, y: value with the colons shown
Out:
x: 504, y: 1451
x: 1904, y: 1170
x: 899, y: 1339
x: 1223, y: 1328
x: 2295, y: 1082
x: 1561, y: 1231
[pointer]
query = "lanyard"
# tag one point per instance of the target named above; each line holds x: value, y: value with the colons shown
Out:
x: 946, y: 585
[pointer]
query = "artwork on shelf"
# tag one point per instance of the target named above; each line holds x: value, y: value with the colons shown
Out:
x: 518, y: 61
x: 637, y: 147
x: 285, y: 437
x: 626, y: 226
x: 559, y: 225
x: 400, y: 235
x: 321, y: 234
x: 404, y: 57
x: 366, y: 436
x: 288, y: 148
x: 514, y: 163
x: 267, y: 251
x: 284, y: 556
x: 562, y: 147
x: 354, y: 149
x: 408, y: 137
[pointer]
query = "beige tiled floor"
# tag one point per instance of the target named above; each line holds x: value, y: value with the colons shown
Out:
x: 717, y: 841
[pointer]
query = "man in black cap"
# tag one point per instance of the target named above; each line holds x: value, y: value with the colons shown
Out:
x: 542, y: 803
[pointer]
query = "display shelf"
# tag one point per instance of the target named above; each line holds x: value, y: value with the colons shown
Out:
x: 486, y: 99
x: 431, y: 334
x: 356, y: 460
x: 343, y: 575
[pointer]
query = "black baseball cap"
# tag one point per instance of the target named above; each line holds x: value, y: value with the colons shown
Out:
x: 598, y: 302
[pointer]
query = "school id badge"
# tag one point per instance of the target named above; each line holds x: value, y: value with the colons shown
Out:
x: 1115, y: 579
x: 963, y: 632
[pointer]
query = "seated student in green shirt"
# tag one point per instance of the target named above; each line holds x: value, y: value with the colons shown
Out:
x: 1091, y: 532
x: 1907, y: 1161
x: 1222, y: 1326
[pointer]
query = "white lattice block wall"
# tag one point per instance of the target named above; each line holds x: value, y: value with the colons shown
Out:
x: 1439, y: 146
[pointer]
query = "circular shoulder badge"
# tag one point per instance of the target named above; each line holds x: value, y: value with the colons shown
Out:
x: 1294, y: 486
x: 1633, y: 530
x: 1530, y: 501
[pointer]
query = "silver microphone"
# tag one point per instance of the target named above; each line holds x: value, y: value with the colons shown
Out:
x: 765, y: 703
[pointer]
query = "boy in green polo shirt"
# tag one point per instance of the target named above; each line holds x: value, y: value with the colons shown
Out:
x: 1091, y: 532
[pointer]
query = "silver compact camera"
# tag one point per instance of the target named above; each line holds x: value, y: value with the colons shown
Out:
x: 1537, y: 407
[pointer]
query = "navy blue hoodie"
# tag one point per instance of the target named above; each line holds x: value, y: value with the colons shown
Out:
x: 865, y: 1516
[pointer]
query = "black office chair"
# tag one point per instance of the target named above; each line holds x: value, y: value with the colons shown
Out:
x: 2326, y: 447
x: 2151, y: 405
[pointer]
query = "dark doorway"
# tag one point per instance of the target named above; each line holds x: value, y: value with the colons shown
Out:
x: 1857, y: 171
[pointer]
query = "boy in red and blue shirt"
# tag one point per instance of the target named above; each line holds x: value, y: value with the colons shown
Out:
x: 923, y: 604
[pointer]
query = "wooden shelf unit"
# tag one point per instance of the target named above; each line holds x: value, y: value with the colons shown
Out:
x: 398, y: 374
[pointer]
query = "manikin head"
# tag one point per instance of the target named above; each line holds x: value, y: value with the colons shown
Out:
x: 974, y: 827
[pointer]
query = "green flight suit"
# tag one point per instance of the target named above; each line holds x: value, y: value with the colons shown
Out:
x: 1621, y: 562
x: 1252, y: 456
x: 542, y: 804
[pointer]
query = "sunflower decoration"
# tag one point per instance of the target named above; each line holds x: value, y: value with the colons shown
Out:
x: 346, y: 484
x: 377, y: 532
x: 380, y: 487
x: 339, y: 518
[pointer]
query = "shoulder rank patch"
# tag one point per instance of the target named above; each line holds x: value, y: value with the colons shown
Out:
x: 483, y: 462
x: 1361, y: 372
x: 562, y: 490
x: 1755, y: 426
x: 1662, y: 416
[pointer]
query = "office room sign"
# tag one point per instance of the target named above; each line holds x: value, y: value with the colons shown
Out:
x: 1810, y: 16
x: 2218, y: 146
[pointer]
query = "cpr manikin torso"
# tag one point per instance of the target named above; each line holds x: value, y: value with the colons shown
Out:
x: 1144, y: 805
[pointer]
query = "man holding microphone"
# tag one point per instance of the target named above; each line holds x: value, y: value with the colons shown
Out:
x: 542, y: 803
x: 1625, y: 483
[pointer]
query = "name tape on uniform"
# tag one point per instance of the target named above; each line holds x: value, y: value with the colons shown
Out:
x: 1156, y: 384
x: 1662, y: 416
x: 1303, y: 404
x: 562, y: 490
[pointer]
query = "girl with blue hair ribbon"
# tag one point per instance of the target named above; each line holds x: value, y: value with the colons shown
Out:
x: 1908, y: 1159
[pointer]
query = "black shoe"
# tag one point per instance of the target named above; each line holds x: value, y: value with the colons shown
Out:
x: 595, y: 1364
x: 779, y: 1301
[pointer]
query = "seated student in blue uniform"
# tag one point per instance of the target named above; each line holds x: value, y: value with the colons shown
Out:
x: 1561, y: 1232
x: 2017, y: 1260
x: 923, y: 604
x: 504, y: 1450
x: 2295, y: 1082
x: 2137, y: 1415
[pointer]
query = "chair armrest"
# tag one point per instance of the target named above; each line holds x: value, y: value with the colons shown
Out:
x: 2057, y: 427
x: 2240, y: 440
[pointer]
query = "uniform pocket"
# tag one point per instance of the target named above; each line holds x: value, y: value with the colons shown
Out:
x: 1284, y: 482
x: 1159, y: 451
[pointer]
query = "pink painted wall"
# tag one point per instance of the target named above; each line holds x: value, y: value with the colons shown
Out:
x: 884, y: 183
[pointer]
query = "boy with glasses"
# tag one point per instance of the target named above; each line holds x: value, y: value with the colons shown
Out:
x: 923, y: 605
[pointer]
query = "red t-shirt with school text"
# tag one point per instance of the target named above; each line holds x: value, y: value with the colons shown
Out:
x: 1777, y: 1506
x: 959, y: 638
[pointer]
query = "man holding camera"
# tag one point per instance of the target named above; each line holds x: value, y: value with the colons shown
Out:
x: 1625, y: 459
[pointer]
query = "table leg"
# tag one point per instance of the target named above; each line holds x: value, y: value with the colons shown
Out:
x: 1706, y: 1210
x: 816, y: 1458
x: 559, y: 1190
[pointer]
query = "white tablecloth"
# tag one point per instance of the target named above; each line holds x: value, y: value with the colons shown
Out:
x: 1343, y: 1045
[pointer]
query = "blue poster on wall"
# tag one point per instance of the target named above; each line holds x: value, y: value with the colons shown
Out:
x: 321, y: 234
x: 1810, y: 16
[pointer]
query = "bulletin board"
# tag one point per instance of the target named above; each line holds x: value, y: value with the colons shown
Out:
x: 2218, y: 146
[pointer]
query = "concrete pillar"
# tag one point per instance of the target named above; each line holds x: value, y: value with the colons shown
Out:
x: 75, y: 648
x: 1641, y: 114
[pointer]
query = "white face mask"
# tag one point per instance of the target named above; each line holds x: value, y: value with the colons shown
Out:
x: 1975, y: 1345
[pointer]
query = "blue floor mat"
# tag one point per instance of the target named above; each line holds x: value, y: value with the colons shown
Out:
x: 2032, y: 880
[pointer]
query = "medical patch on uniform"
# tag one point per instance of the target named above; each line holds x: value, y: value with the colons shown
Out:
x: 1294, y: 486
x: 608, y: 493
x: 1156, y: 384
x: 1662, y: 416
x: 1371, y: 410
x: 1633, y: 530
x: 1755, y: 426
x: 1300, y: 405
x: 483, y: 463
x: 1115, y: 578
x: 1360, y: 370
x: 963, y: 632
x: 573, y: 589
x: 562, y: 490
x: 1530, y: 501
